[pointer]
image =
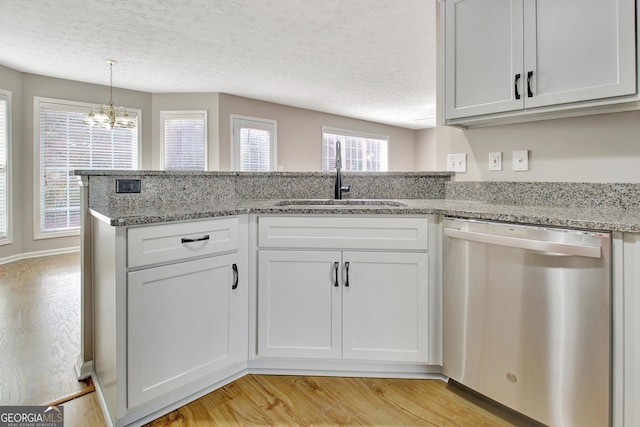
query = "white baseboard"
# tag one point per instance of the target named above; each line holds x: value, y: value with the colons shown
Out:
x: 84, y: 369
x: 38, y: 254
x: 102, y: 401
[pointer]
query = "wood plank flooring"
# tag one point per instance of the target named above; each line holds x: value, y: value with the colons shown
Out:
x: 40, y: 340
x: 39, y: 329
x: 273, y: 400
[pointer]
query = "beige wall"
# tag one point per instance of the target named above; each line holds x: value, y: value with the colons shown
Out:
x: 299, y: 138
x: 600, y: 148
x: 11, y: 80
x: 299, y: 143
x: 426, y: 150
x: 24, y: 88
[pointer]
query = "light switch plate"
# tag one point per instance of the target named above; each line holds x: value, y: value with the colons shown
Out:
x: 521, y: 160
x: 457, y: 162
x: 495, y: 161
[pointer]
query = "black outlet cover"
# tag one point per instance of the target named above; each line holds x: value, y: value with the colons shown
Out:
x: 128, y: 185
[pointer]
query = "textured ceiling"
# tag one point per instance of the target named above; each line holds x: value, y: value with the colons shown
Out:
x: 368, y: 59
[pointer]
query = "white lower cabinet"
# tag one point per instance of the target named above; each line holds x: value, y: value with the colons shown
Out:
x: 178, y: 311
x: 184, y: 322
x: 299, y: 305
x: 384, y: 308
x: 171, y: 316
x: 369, y: 305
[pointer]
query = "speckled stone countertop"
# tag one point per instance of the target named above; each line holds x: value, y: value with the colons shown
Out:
x: 605, y: 219
x: 181, y: 196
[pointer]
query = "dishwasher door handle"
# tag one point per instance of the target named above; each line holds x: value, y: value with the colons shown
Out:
x: 550, y: 248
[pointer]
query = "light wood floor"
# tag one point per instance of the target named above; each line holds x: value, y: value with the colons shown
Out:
x: 39, y: 343
x: 266, y: 400
x: 39, y: 329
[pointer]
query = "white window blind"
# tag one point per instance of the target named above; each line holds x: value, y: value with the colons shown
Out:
x: 4, y: 179
x: 360, y: 152
x: 185, y: 140
x: 65, y: 143
x: 254, y: 144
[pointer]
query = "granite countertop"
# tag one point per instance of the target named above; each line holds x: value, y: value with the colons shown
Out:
x: 605, y: 219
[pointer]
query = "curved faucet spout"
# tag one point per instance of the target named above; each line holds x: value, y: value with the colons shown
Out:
x: 339, y: 188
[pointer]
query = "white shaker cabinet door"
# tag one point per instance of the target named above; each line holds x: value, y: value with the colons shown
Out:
x: 385, y: 307
x: 578, y: 50
x: 185, y: 321
x: 511, y: 56
x: 299, y: 304
x: 483, y: 57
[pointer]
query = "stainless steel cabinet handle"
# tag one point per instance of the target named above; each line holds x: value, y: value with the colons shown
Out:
x: 335, y: 266
x: 186, y: 240
x: 346, y: 266
x: 516, y: 86
x: 235, y: 276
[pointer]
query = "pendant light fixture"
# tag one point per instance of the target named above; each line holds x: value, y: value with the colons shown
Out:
x: 109, y: 116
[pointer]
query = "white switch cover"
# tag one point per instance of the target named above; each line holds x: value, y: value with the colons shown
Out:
x: 495, y: 161
x: 457, y: 162
x: 521, y: 160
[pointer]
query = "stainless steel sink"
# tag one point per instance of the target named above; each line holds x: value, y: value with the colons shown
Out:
x: 339, y: 203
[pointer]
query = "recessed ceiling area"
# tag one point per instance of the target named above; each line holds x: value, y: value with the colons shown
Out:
x: 367, y: 59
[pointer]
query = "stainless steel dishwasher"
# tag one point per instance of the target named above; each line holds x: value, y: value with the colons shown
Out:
x: 527, y: 318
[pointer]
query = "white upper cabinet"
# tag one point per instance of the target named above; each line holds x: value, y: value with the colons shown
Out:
x: 483, y: 57
x: 577, y: 50
x: 529, y: 56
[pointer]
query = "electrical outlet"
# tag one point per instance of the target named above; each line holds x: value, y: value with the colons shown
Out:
x: 495, y: 161
x: 457, y: 162
x: 128, y: 185
x: 521, y: 160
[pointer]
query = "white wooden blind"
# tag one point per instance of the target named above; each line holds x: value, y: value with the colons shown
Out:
x: 255, y: 150
x: 66, y: 144
x: 360, y: 152
x: 4, y: 189
x: 254, y: 145
x: 185, y: 140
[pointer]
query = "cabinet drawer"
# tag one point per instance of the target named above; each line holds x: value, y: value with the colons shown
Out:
x: 352, y: 232
x: 172, y: 242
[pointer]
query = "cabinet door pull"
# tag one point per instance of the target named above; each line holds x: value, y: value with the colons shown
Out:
x: 529, y: 93
x: 235, y: 276
x: 335, y: 266
x: 186, y: 240
x: 346, y: 266
x: 516, y: 86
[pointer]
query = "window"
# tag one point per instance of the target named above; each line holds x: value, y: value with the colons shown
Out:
x: 184, y: 140
x: 5, y: 193
x: 253, y: 144
x: 360, y: 152
x: 64, y: 143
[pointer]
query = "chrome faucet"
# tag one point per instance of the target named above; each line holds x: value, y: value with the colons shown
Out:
x: 339, y: 188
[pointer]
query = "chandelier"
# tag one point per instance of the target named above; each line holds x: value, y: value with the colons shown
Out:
x: 109, y: 116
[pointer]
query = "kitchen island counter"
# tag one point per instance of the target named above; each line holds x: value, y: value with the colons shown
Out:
x: 184, y: 199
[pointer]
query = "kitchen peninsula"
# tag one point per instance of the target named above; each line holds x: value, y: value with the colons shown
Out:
x: 250, y: 231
